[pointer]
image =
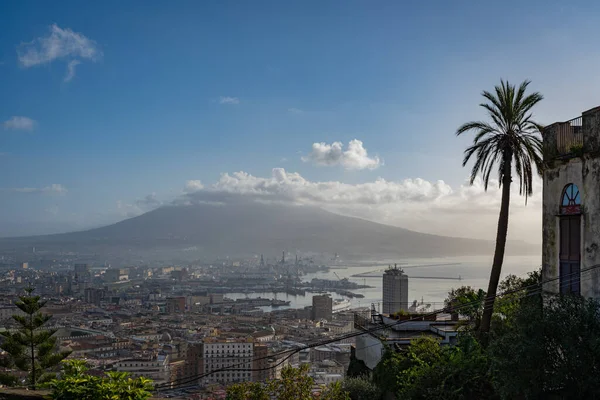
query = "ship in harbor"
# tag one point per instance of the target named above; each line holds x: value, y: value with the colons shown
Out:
x: 340, y: 305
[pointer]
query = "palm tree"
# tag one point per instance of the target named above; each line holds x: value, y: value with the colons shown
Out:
x: 510, y: 137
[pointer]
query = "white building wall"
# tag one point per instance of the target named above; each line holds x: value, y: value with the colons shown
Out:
x: 236, y: 356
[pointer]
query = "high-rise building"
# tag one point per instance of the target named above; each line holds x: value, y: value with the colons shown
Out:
x: 82, y: 272
x: 93, y: 296
x: 395, y: 290
x: 322, y: 307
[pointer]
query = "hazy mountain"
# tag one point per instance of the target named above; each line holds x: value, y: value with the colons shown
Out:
x: 254, y: 228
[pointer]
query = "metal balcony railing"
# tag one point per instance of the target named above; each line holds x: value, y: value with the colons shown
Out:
x: 569, y: 136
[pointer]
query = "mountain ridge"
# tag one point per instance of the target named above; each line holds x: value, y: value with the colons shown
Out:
x: 254, y: 228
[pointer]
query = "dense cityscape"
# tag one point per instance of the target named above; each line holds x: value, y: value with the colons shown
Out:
x: 175, y: 324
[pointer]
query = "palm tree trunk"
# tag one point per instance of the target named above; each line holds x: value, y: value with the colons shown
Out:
x: 501, y: 234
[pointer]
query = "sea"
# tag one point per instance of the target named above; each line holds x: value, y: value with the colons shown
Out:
x: 429, y: 279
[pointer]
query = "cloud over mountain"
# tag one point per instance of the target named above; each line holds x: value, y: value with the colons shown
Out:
x: 418, y: 204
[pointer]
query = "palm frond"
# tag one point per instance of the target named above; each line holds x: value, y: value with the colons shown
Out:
x: 511, y: 136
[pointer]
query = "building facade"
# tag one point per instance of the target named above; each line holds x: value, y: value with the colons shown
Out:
x: 571, y: 206
x: 175, y: 304
x: 322, y: 308
x: 155, y: 367
x: 93, y: 296
x: 233, y: 355
x: 116, y: 275
x: 395, y: 291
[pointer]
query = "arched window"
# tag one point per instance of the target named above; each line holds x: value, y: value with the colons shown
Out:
x: 571, y: 200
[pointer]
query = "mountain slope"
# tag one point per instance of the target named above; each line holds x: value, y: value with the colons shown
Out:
x: 244, y: 229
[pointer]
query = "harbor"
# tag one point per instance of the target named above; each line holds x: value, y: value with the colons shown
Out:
x: 428, y: 286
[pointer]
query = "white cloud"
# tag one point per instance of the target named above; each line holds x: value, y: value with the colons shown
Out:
x: 19, y: 123
x: 193, y: 186
x: 71, y: 69
x: 355, y: 157
x: 229, y: 100
x: 139, y: 206
x: 55, y: 188
x: 59, y: 44
x: 150, y: 201
x: 417, y: 204
x: 294, y: 110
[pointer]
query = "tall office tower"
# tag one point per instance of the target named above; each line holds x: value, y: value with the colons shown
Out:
x: 82, y: 272
x: 322, y: 307
x: 395, y: 290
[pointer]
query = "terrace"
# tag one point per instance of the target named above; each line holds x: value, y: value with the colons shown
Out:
x: 573, y: 138
x: 569, y: 137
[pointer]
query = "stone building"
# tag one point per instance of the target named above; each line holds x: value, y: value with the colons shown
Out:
x: 571, y: 206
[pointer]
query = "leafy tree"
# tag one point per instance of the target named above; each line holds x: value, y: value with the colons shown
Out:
x: 31, y: 348
x: 467, y: 302
x: 361, y: 388
x: 396, y: 370
x: 248, y: 391
x: 386, y: 371
x: 551, y: 350
x: 334, y: 391
x: 76, y: 384
x: 509, y: 139
x: 357, y: 368
x: 458, y: 372
x: 295, y: 384
x: 515, y: 291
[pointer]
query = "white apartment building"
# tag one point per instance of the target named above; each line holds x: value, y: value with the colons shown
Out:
x: 154, y: 367
x: 233, y: 354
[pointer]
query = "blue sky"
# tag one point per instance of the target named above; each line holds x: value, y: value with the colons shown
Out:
x: 166, y: 92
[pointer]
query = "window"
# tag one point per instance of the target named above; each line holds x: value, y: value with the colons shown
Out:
x: 571, y: 200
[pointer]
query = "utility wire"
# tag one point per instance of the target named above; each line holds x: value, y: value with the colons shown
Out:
x: 169, y: 386
x: 384, y: 326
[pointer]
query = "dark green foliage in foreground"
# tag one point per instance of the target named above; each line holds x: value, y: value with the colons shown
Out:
x: 357, y: 368
x: 428, y: 371
x: 361, y: 388
x: 538, y: 348
x: 550, y: 350
x: 294, y: 384
x: 76, y: 384
x: 31, y: 348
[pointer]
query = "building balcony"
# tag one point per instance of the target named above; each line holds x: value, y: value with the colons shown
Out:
x: 573, y: 138
x: 569, y: 137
